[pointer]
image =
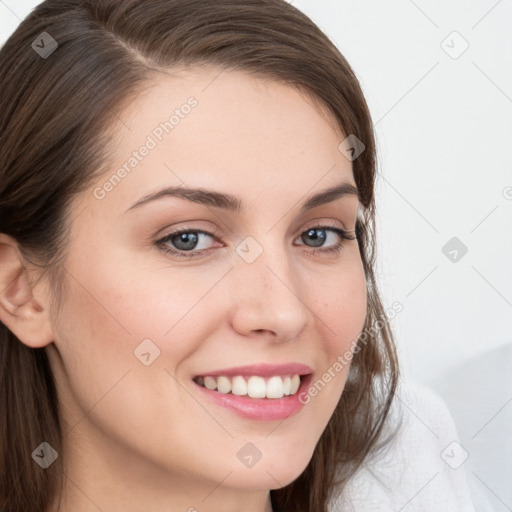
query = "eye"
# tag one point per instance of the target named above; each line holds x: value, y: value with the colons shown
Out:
x: 320, y: 235
x: 185, y: 241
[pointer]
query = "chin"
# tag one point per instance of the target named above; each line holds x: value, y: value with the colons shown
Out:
x: 279, y: 471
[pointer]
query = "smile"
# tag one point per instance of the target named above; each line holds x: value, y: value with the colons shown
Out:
x: 254, y: 386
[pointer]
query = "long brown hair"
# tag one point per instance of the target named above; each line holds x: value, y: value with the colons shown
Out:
x: 55, y: 110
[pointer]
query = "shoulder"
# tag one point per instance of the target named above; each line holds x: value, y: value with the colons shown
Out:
x: 421, y: 468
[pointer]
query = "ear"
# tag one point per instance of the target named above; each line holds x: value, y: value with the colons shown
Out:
x: 20, y: 311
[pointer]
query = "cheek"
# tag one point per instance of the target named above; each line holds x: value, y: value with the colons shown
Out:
x: 120, y: 306
x: 104, y: 384
x: 341, y: 313
x: 343, y: 305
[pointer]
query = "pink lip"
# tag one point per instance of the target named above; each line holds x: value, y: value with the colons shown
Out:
x: 263, y: 370
x: 262, y: 409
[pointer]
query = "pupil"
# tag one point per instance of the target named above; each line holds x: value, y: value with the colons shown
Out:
x: 191, y: 239
x: 317, y: 239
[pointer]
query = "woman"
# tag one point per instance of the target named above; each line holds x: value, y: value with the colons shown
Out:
x: 190, y: 317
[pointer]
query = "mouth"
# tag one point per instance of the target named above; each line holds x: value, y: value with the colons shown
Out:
x: 262, y: 392
x: 253, y: 386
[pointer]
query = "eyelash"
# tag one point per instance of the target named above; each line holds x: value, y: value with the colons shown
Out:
x: 335, y: 249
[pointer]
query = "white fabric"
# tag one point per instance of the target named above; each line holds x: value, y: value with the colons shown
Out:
x: 478, y: 393
x: 421, y: 470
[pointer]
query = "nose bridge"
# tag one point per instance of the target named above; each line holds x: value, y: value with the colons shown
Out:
x: 268, y: 290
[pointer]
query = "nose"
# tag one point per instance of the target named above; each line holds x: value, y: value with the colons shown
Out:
x: 269, y: 298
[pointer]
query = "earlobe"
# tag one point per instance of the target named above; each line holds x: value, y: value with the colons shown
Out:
x: 25, y: 316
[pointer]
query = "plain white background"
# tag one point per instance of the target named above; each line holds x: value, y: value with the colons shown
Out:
x: 437, y: 76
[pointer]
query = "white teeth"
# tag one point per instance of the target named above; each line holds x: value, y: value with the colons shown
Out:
x: 275, y: 388
x: 295, y: 384
x: 223, y: 385
x: 254, y: 386
x: 287, y: 385
x: 239, y: 386
x: 210, y: 383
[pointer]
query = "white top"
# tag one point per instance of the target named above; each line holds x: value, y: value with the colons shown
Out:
x: 421, y: 470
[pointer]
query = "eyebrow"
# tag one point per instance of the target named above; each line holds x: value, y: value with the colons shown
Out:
x: 233, y: 203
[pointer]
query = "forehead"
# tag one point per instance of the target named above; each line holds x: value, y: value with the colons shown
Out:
x: 207, y: 127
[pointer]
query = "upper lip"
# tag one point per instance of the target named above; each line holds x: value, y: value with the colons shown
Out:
x: 263, y: 369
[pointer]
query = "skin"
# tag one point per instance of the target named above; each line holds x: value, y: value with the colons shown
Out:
x: 143, y: 437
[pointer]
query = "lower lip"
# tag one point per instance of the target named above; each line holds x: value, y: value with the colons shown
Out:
x: 262, y: 409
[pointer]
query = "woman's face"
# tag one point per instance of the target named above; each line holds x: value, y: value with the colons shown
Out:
x: 261, y: 288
